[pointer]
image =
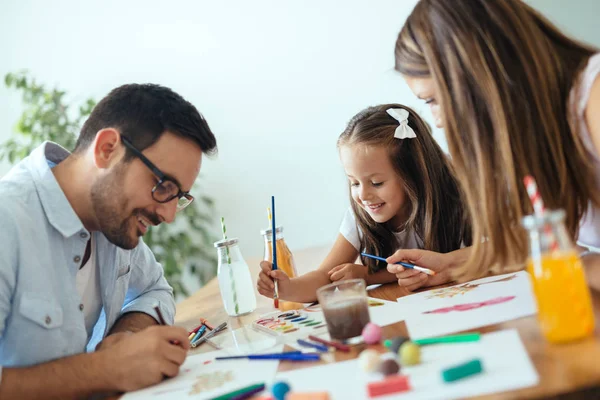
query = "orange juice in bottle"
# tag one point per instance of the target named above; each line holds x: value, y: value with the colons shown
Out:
x: 285, y: 260
x: 565, y: 311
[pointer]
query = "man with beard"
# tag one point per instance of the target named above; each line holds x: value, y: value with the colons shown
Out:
x: 74, y: 274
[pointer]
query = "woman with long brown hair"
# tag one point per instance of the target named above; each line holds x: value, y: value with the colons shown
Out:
x: 403, y: 194
x: 516, y: 97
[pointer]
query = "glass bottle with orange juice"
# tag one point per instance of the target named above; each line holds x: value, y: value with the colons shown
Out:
x: 565, y: 311
x: 285, y: 260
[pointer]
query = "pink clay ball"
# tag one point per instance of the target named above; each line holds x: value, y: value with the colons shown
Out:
x: 371, y: 333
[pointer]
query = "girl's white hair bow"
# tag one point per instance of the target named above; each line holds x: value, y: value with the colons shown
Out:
x: 403, y: 131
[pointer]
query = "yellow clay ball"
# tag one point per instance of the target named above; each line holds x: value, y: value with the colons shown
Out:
x: 410, y: 353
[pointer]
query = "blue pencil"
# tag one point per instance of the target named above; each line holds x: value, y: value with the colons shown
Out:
x: 404, y: 264
x: 319, y: 347
x: 199, y: 334
x: 283, y: 357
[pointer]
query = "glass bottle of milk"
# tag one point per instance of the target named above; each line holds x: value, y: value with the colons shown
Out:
x: 235, y: 282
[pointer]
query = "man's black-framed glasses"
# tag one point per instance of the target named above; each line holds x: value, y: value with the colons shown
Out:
x: 166, y: 189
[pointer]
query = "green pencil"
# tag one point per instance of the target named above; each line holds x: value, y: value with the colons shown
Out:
x: 467, y: 337
x: 241, y: 391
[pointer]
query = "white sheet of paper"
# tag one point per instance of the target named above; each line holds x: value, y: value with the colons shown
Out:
x: 470, y: 305
x: 389, y: 313
x: 201, y: 377
x: 506, y: 366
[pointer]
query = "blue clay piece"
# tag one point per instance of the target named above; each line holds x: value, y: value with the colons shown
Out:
x: 279, y: 390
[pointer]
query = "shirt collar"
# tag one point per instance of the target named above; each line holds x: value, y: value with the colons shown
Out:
x: 56, y: 206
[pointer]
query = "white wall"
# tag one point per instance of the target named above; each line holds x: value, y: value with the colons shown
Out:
x: 277, y: 81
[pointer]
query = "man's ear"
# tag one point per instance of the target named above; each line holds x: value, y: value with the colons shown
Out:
x: 107, y: 148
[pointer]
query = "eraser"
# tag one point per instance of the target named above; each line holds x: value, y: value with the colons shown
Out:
x: 394, y: 384
x: 308, y: 396
x: 461, y: 371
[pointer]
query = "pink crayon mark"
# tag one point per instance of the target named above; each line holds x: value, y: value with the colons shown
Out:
x: 207, y: 362
x: 470, y: 306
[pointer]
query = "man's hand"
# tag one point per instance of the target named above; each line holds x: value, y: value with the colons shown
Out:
x: 266, y: 276
x: 348, y: 271
x: 137, y: 360
x: 412, y: 279
x: 112, y: 339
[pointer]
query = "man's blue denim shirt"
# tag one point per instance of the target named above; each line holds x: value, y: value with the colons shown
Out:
x: 42, y: 242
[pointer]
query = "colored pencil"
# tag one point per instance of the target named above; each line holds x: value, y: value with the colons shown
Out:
x: 238, y: 392
x: 205, y: 322
x: 274, y: 247
x: 198, y: 334
x: 161, y: 320
x: 248, y: 394
x: 336, y: 345
x: 282, y: 356
x: 196, y: 329
x: 467, y: 337
x: 210, y: 334
x: 404, y: 264
x: 319, y: 347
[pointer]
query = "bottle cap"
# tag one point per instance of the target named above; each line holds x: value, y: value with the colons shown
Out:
x: 269, y: 231
x: 226, y: 242
x: 538, y: 221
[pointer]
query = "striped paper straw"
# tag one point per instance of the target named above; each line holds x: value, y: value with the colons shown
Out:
x: 534, y: 195
x: 538, y: 207
x: 235, y: 301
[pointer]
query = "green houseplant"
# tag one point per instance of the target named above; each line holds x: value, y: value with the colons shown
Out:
x: 47, y: 116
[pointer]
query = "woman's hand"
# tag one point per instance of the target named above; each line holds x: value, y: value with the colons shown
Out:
x: 412, y: 279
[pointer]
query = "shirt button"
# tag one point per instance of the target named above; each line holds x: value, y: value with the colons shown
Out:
x: 81, y: 307
x: 77, y: 259
x: 48, y: 320
x: 83, y: 235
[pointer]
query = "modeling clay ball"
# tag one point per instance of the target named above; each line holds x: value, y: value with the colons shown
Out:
x: 368, y: 360
x: 394, y: 344
x: 389, y: 367
x: 410, y: 353
x: 279, y: 390
x: 371, y: 333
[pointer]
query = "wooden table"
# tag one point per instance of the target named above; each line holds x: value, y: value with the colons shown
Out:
x: 565, y: 371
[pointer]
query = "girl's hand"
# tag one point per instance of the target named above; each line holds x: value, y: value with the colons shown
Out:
x: 348, y: 271
x: 265, y: 283
x: 411, y: 279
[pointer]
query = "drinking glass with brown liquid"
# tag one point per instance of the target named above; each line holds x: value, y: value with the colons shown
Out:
x: 345, y: 307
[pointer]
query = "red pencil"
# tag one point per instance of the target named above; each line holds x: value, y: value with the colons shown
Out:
x: 196, y: 329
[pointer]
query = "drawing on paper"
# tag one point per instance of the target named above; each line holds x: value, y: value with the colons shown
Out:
x: 452, y: 291
x: 470, y: 306
x: 210, y: 381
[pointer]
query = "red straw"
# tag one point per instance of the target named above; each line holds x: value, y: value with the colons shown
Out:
x: 538, y: 207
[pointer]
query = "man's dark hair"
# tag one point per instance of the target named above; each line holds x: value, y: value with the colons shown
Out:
x: 142, y: 113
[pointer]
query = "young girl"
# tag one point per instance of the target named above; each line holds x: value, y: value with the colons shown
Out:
x: 516, y: 97
x: 402, y: 193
